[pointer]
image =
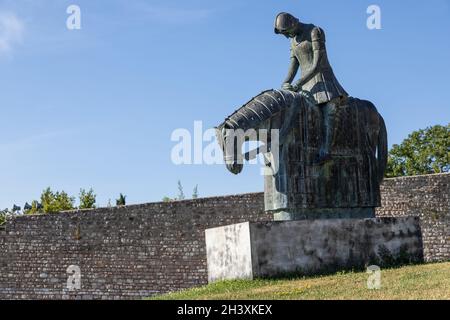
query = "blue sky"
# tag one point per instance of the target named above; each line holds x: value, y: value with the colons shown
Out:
x: 96, y: 107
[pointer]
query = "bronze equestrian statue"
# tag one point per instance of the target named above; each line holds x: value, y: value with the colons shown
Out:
x: 330, y: 150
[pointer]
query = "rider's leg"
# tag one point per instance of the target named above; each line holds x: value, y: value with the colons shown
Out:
x: 328, y: 111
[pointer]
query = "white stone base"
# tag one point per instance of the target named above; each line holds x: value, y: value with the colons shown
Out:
x: 267, y: 249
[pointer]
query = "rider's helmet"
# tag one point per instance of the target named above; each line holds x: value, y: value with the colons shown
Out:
x: 284, y: 22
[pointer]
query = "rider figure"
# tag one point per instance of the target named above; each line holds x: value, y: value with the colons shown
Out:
x: 308, y: 52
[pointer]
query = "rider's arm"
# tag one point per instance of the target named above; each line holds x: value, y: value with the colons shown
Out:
x: 318, y: 45
x: 293, y: 68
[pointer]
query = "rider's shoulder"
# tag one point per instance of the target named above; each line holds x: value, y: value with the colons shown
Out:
x: 317, y: 34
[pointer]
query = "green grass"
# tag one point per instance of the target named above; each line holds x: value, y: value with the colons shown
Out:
x: 428, y: 281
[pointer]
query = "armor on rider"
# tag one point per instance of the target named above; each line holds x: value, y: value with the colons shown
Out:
x: 321, y: 84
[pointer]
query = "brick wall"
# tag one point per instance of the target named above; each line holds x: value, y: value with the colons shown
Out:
x: 139, y: 250
x: 427, y: 197
x: 123, y: 252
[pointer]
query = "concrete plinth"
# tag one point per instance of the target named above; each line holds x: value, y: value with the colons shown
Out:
x: 324, y: 213
x: 267, y: 249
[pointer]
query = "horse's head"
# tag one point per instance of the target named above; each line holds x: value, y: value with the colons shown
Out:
x: 229, y: 143
x: 245, y: 123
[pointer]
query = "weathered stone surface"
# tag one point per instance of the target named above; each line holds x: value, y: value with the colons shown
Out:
x: 229, y: 252
x: 133, y: 251
x: 325, y: 213
x: 310, y: 247
x: 427, y: 197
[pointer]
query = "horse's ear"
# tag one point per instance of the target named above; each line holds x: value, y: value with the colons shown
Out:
x: 219, y: 137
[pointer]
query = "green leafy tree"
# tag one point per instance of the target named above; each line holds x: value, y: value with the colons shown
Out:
x: 3, y: 215
x: 64, y: 201
x: 121, y: 201
x: 166, y: 199
x: 425, y: 151
x: 56, y: 201
x: 87, y: 199
x: 48, y: 200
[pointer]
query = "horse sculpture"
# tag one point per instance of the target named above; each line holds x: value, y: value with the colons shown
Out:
x: 347, y: 186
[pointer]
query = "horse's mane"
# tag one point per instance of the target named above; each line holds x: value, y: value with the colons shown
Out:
x: 260, y: 108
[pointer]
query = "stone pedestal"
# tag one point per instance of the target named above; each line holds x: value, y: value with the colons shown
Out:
x: 324, y: 213
x: 269, y: 249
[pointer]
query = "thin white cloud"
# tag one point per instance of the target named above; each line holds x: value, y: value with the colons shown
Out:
x: 11, y: 32
x: 29, y: 142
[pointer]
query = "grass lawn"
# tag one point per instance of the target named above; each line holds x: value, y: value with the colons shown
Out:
x: 428, y: 281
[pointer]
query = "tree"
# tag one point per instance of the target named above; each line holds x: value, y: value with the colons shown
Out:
x: 180, y: 191
x: 56, y: 201
x: 87, y: 199
x: 47, y: 200
x: 423, y: 152
x: 195, y: 192
x: 181, y: 195
x: 121, y: 201
x: 16, y: 209
x: 63, y: 201
x: 36, y: 207
x: 3, y: 216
